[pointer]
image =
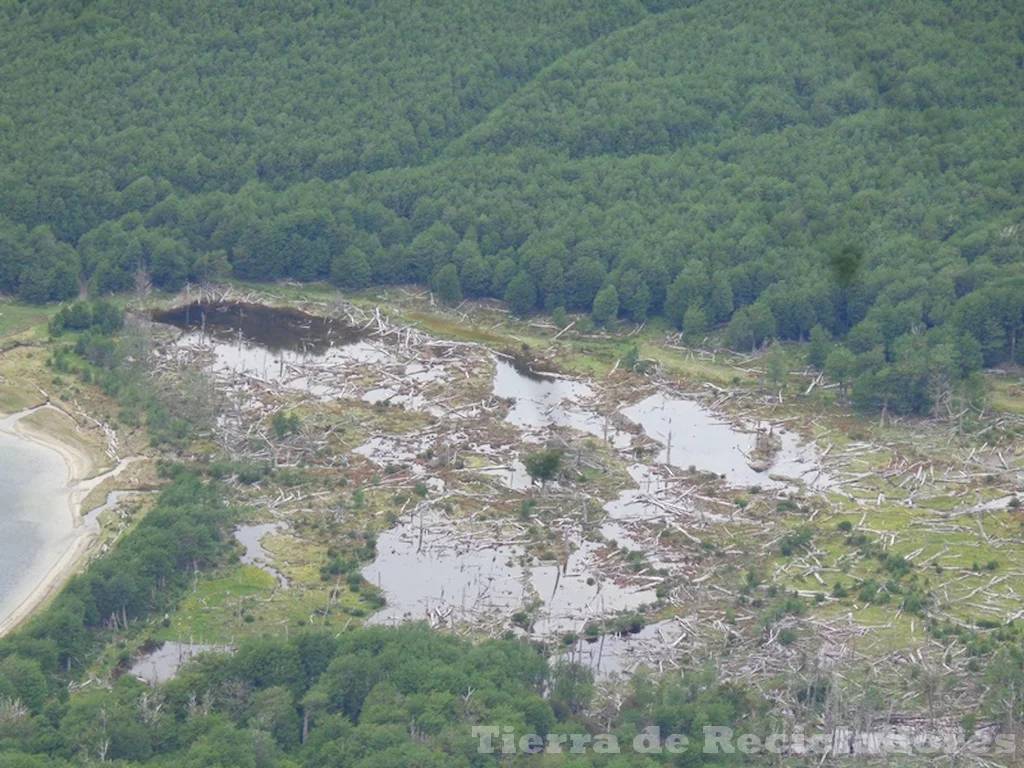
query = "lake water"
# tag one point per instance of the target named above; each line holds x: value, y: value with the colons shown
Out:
x: 36, y: 525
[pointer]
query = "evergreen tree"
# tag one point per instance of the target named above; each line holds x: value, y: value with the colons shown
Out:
x: 819, y: 347
x: 775, y: 367
x: 446, y: 284
x: 582, y: 282
x: 476, y: 277
x: 521, y: 295
x: 351, y: 269
x: 720, y: 305
x: 169, y: 266
x: 695, y: 323
x: 740, y: 333
x: 606, y: 305
x: 841, y: 366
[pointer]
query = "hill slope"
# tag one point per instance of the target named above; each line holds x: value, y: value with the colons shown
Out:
x: 707, y: 158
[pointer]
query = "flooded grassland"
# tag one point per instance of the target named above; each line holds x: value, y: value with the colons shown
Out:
x: 386, y: 470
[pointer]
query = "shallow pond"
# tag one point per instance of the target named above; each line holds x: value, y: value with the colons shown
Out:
x: 163, y: 664
x: 621, y: 654
x: 430, y: 567
x: 383, y: 450
x: 275, y: 329
x: 512, y: 475
x: 542, y: 401
x: 691, y: 435
x: 576, y: 591
x: 425, y: 569
x: 299, y: 351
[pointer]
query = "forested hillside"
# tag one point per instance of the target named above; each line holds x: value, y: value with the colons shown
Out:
x: 773, y: 166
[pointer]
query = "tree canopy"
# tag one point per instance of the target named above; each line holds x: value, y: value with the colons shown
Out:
x: 849, y: 166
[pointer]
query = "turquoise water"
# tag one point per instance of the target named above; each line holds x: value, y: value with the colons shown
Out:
x: 36, y: 525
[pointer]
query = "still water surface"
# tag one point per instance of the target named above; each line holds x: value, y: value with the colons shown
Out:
x: 36, y: 526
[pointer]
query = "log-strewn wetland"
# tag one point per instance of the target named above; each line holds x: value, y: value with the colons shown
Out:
x: 379, y: 453
x: 379, y: 447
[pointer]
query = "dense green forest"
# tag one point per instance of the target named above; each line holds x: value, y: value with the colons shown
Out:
x: 770, y: 169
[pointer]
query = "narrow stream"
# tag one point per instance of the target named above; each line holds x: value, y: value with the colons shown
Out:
x: 250, y: 537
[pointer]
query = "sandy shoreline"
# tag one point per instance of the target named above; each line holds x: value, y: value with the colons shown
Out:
x: 79, y: 465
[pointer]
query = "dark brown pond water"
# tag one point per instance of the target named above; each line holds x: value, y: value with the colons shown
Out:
x: 274, y: 328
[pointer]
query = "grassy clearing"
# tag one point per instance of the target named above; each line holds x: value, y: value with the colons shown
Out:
x: 242, y: 601
x: 19, y: 318
x: 15, y: 398
x: 22, y: 375
x: 451, y: 329
x: 26, y: 381
x: 695, y: 370
x: 213, y: 612
x: 1006, y: 393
